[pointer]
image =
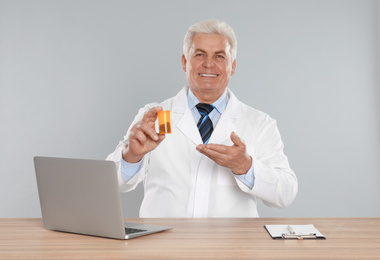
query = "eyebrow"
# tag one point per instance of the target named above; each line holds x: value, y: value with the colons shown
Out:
x: 220, y: 52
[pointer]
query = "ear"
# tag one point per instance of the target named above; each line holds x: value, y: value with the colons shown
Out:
x: 183, y: 62
x: 233, y: 65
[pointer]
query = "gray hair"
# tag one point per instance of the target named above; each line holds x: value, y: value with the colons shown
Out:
x: 211, y: 27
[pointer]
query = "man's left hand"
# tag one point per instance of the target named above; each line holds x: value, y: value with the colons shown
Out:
x: 234, y: 157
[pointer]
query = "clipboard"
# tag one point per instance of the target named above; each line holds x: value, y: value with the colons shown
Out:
x: 294, y: 232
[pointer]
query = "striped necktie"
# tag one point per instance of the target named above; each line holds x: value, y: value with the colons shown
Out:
x: 205, y: 124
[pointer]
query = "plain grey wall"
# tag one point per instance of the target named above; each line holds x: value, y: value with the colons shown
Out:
x: 74, y: 73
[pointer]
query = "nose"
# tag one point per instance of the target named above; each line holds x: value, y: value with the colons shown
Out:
x: 208, y: 63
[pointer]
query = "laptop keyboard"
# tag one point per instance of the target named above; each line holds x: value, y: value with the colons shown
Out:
x: 133, y: 230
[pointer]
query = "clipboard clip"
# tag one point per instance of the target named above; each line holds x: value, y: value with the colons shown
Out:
x: 300, y: 236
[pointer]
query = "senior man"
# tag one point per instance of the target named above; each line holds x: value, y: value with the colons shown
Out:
x: 222, y: 155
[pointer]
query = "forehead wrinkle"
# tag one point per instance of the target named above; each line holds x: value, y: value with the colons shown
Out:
x: 204, y: 51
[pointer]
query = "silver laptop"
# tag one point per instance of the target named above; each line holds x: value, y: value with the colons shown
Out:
x: 82, y: 196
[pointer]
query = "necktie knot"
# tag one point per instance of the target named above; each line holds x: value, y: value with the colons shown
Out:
x: 204, y: 109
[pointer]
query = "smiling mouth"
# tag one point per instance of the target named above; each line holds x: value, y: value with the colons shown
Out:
x: 209, y: 75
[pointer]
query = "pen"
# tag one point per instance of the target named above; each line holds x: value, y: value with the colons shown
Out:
x: 291, y: 230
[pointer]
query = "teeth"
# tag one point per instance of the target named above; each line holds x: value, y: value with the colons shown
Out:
x: 208, y: 75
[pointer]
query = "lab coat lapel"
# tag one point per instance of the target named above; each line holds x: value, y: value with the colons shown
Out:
x: 183, y: 117
x: 226, y: 126
x: 222, y: 131
x: 187, y: 126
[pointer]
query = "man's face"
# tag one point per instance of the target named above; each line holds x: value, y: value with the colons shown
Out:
x: 208, y: 66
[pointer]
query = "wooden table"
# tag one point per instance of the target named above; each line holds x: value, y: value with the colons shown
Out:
x: 246, y: 238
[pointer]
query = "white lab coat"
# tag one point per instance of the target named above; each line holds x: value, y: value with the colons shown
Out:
x: 181, y: 182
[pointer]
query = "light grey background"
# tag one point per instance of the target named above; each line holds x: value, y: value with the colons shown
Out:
x: 74, y: 73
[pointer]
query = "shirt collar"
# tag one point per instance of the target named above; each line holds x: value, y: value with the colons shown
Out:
x: 220, y: 104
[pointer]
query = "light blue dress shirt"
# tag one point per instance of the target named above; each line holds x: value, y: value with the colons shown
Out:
x: 129, y: 170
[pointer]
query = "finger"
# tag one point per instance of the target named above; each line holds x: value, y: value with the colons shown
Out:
x: 203, y: 151
x: 220, y: 148
x: 151, y: 114
x: 236, y: 140
x: 161, y: 138
x: 149, y: 131
x: 139, y: 136
x: 200, y: 148
x: 211, y: 153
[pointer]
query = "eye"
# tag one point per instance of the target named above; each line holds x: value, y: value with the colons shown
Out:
x: 199, y: 55
x: 220, y: 56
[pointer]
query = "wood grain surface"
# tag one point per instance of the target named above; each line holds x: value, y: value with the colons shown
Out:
x: 213, y: 238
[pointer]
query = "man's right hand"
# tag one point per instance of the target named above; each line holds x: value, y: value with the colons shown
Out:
x: 143, y: 137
